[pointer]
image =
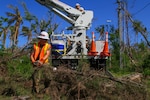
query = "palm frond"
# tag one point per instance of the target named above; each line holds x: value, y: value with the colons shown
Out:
x: 9, y: 14
x: 25, y: 28
x: 12, y: 7
x: 12, y: 20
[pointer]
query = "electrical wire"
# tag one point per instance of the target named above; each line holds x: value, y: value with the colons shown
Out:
x: 141, y: 9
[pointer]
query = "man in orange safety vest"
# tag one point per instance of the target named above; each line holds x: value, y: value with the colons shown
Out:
x: 39, y: 58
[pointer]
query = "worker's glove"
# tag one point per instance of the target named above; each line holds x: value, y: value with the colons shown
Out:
x: 37, y: 63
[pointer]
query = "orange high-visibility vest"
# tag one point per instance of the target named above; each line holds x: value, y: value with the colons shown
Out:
x: 41, y: 53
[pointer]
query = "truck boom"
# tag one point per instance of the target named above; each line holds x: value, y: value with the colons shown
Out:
x: 68, y: 13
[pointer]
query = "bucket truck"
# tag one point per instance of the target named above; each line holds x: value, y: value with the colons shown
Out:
x: 69, y: 48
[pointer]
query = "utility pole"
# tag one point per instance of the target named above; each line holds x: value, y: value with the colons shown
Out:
x: 120, y: 32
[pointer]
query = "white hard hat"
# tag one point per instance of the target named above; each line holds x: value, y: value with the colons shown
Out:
x: 44, y: 35
x: 77, y: 4
x: 81, y: 8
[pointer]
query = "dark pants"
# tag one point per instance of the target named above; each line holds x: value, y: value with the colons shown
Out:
x: 41, y: 78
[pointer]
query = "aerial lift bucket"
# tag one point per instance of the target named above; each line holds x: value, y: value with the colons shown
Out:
x: 93, y: 51
x: 105, y: 52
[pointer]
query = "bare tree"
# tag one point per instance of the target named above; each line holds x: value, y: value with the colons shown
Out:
x: 4, y: 31
x: 17, y: 19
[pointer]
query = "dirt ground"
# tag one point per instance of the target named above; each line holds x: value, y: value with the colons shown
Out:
x: 67, y: 84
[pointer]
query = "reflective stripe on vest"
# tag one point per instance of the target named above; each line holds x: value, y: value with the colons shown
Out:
x: 41, y: 53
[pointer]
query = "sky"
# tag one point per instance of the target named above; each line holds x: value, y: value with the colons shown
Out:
x: 103, y: 10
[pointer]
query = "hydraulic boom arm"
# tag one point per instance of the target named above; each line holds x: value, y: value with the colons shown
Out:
x: 68, y: 13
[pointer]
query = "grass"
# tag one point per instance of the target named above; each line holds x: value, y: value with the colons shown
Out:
x: 20, y: 67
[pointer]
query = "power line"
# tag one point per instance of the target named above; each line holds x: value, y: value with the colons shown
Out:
x: 142, y: 9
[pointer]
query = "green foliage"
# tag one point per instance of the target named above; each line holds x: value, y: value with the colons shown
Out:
x: 146, y: 62
x: 146, y: 65
x: 115, y: 50
x: 126, y: 60
x: 20, y: 67
x: 83, y: 65
x: 146, y: 72
x: 116, y: 71
x: 4, y: 54
x: 134, y: 57
x: 1, y: 48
